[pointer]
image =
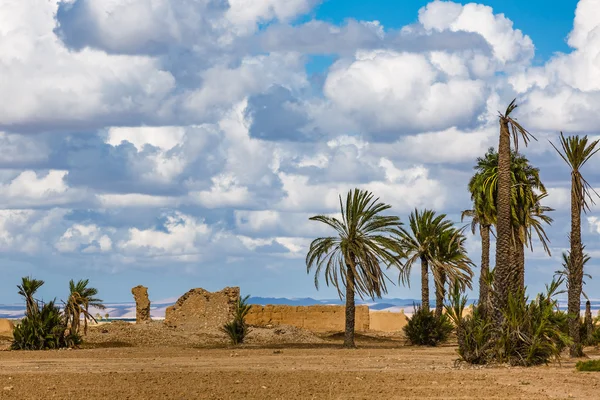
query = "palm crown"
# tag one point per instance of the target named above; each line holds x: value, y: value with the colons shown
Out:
x: 362, y: 244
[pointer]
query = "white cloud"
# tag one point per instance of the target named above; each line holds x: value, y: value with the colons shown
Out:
x: 135, y: 200
x: 391, y: 91
x: 29, y: 189
x: 244, y: 15
x: 180, y: 237
x: 225, y: 192
x: 45, y: 85
x: 25, y: 231
x: 163, y: 137
x: 85, y: 238
x: 447, y: 146
x: 564, y: 93
x: 508, y: 44
x: 224, y: 86
x: 403, y: 189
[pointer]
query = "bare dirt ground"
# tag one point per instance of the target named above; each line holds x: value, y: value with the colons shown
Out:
x: 132, y: 362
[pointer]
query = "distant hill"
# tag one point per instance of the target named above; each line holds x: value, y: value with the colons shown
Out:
x: 127, y: 310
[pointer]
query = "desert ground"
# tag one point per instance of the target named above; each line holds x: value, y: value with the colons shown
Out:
x: 124, y: 361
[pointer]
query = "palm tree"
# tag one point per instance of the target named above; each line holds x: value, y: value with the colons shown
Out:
x: 450, y: 258
x: 505, y: 276
x: 353, y: 258
x: 27, y: 289
x: 566, y: 267
x: 80, y: 299
x: 576, y: 152
x: 530, y: 215
x: 419, y: 244
x: 483, y: 214
x: 526, y: 211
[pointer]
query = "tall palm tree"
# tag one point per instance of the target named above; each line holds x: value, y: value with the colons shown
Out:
x: 526, y: 212
x: 353, y: 258
x: 27, y: 289
x: 81, y: 297
x: 504, y: 274
x: 576, y: 151
x: 566, y: 268
x: 450, y: 258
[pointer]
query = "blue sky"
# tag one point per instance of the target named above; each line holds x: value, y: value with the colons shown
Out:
x: 185, y: 144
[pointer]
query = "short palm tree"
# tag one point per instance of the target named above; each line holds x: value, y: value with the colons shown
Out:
x: 420, y: 243
x: 353, y: 259
x: 530, y: 216
x: 27, y: 289
x: 81, y: 297
x: 576, y: 151
x: 505, y: 275
x: 450, y: 259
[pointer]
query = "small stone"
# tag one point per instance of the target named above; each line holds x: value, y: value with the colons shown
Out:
x: 8, y: 388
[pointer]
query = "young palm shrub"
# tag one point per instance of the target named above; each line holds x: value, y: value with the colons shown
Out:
x: 532, y: 333
x: 27, y: 289
x: 588, y: 366
x: 424, y: 328
x: 81, y: 297
x: 473, y: 332
x: 43, y: 329
x: 237, y: 329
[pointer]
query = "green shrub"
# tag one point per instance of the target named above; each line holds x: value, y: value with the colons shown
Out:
x: 237, y: 329
x: 43, y: 329
x: 425, y: 329
x: 590, y: 365
x: 473, y: 332
x: 532, y: 333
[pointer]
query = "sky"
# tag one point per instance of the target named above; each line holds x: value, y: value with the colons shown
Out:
x: 185, y: 144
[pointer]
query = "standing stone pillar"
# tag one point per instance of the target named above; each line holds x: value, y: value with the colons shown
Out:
x: 142, y: 304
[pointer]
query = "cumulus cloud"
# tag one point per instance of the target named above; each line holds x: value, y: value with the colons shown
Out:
x: 84, y: 238
x: 564, y: 93
x: 508, y: 45
x: 46, y: 86
x: 30, y: 189
x: 406, y: 92
x: 192, y: 133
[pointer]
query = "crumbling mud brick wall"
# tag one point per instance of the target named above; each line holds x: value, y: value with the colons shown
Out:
x: 199, y: 309
x: 386, y: 321
x: 313, y: 318
x: 142, y: 304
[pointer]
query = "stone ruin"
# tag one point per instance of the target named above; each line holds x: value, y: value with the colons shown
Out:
x: 142, y: 304
x: 199, y: 309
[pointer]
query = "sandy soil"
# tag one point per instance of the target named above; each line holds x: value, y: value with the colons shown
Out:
x: 381, y: 368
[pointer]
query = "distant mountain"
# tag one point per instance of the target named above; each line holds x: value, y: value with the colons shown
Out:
x: 127, y: 310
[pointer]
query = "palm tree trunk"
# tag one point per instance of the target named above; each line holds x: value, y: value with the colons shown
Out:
x: 440, y: 293
x: 484, y: 288
x: 350, y: 308
x: 520, y: 260
x: 589, y: 323
x: 502, y: 278
x: 575, y: 271
x: 424, y: 284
